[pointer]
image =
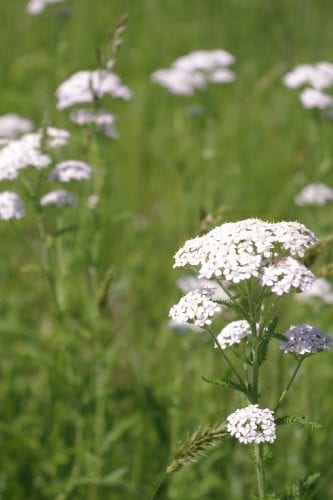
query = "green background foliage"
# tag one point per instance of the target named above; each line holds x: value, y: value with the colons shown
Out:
x: 247, y: 153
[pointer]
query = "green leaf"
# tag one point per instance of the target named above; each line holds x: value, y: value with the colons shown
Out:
x: 298, y: 420
x: 197, y: 445
x: 229, y: 384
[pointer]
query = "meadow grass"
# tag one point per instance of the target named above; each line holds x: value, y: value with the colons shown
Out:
x: 92, y: 404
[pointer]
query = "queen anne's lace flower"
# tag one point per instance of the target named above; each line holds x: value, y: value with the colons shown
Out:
x: 305, y: 339
x: 237, y: 251
x: 35, y: 7
x: 252, y: 425
x: 316, y: 193
x: 28, y: 151
x: 86, y: 86
x: 193, y: 71
x: 12, y: 126
x: 11, y: 206
x: 70, y: 170
x: 195, y: 307
x: 59, y: 198
x: 315, y: 99
x: 233, y: 333
x: 321, y: 289
x: 286, y: 275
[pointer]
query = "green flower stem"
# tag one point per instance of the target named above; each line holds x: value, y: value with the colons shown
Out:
x: 260, y: 471
x: 227, y: 359
x: 291, y: 380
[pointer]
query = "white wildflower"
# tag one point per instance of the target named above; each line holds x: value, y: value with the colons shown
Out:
x: 195, y: 307
x: 316, y: 99
x: 55, y: 137
x: 233, y: 333
x: 86, y: 86
x: 12, y: 126
x: 237, y: 251
x: 321, y: 289
x: 59, y: 198
x: 103, y: 120
x: 305, y: 339
x: 252, y: 425
x: 70, y: 170
x: 316, y: 193
x: 204, y: 60
x: 35, y: 7
x: 187, y: 283
x: 318, y: 75
x: 178, y: 81
x: 183, y: 327
x: 286, y: 275
x: 11, y: 206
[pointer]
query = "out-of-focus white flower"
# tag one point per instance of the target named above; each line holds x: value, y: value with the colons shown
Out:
x: 252, y: 425
x: 188, y: 283
x: 59, y: 198
x: 195, y: 307
x: 70, y: 170
x: 11, y: 206
x: 286, y: 275
x: 35, y: 7
x: 183, y: 327
x: 316, y: 193
x: 237, y: 251
x: 233, y: 333
x: 318, y: 76
x: 316, y: 99
x: 193, y: 71
x: 305, y: 339
x: 12, y: 126
x: 321, y: 289
x: 103, y: 120
x: 28, y: 151
x: 93, y: 201
x: 86, y: 86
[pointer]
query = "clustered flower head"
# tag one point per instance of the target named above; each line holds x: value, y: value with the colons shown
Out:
x: 196, y: 307
x: 11, y: 206
x: 87, y: 86
x: 193, y: 71
x: 233, y: 333
x: 59, y: 198
x: 286, y: 275
x: 305, y: 339
x: 316, y: 193
x: 70, y: 170
x: 238, y: 251
x: 35, y: 7
x: 29, y: 151
x: 317, y: 77
x: 252, y: 425
x: 102, y: 119
x: 13, y: 125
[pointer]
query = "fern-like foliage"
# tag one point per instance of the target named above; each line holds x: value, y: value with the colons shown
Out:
x: 300, y: 491
x: 223, y: 382
x: 197, y: 445
x: 298, y: 420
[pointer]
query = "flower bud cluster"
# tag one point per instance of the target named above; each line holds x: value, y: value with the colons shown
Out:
x: 305, y: 339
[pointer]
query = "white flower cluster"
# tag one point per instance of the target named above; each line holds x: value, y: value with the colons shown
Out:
x: 102, y: 119
x: 305, y: 339
x: 316, y: 193
x: 252, y: 425
x: 60, y: 198
x: 28, y: 151
x: 193, y: 71
x: 317, y: 76
x: 11, y: 206
x: 35, y: 7
x: 86, y: 86
x: 237, y: 251
x: 321, y: 289
x: 70, y: 170
x: 286, y: 275
x: 195, y: 307
x: 233, y: 333
x: 12, y: 126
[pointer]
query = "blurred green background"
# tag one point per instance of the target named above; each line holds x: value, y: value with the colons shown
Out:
x: 248, y: 153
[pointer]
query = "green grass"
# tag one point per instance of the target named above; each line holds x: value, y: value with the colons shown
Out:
x: 90, y: 406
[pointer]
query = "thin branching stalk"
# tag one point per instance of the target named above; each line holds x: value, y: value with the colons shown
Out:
x: 291, y: 380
